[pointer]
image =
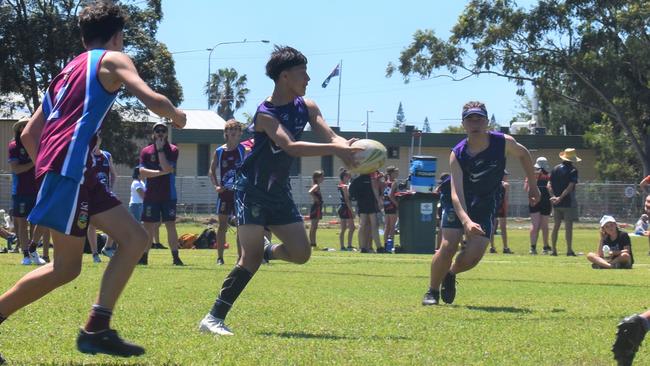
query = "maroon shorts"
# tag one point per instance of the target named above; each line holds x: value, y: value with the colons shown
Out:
x: 226, y: 203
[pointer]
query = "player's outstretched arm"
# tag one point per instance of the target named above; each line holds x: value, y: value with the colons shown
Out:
x: 279, y: 135
x: 121, y: 66
x: 513, y: 148
x: 320, y: 127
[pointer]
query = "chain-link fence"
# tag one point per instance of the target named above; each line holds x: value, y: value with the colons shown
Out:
x: 196, y: 196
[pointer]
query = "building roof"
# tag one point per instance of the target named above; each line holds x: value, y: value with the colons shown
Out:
x: 197, y: 119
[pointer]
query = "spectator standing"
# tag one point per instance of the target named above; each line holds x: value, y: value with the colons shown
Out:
x: 346, y: 216
x: 562, y: 188
x: 158, y: 165
x: 316, y: 209
x: 540, y: 212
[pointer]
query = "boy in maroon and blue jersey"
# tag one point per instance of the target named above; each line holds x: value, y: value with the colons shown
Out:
x: 477, y: 168
x: 227, y: 158
x: 61, y: 134
x: 262, y: 188
x: 102, y: 170
x: 23, y: 194
x: 158, y: 165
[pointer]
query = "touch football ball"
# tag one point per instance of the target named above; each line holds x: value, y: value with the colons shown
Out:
x: 371, y: 158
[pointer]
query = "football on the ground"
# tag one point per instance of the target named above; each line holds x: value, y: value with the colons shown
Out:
x: 372, y: 158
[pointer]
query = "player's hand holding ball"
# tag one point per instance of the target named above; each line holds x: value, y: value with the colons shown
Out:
x: 369, y: 156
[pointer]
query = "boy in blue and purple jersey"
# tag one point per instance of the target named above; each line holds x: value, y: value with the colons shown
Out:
x: 60, y: 135
x: 477, y: 167
x: 262, y: 190
x: 225, y: 161
x: 158, y: 165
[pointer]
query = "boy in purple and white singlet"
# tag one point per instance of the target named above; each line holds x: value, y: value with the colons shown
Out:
x: 477, y: 167
x: 262, y: 190
x: 61, y: 135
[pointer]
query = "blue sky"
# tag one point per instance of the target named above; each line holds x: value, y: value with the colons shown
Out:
x: 365, y: 35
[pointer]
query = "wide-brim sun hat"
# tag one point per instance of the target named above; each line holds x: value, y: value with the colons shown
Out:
x: 569, y: 154
x: 20, y: 123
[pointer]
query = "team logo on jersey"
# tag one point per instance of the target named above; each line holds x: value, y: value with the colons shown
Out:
x: 153, y: 158
x: 451, y: 216
x: 82, y: 220
x: 22, y: 209
x: 255, y: 211
x: 275, y: 149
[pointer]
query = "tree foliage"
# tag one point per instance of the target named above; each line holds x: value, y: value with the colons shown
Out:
x: 425, y: 126
x: 38, y: 38
x: 578, y: 54
x: 400, y: 119
x: 227, y: 90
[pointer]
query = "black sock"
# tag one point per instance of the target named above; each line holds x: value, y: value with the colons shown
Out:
x: 99, y: 319
x: 175, y: 254
x: 32, y: 247
x: 2, y: 318
x: 232, y: 287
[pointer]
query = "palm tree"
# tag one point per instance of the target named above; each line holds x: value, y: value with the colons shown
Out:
x: 226, y: 89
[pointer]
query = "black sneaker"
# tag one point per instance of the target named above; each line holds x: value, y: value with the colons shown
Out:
x: 493, y: 250
x: 2, y: 360
x: 158, y: 246
x: 553, y: 253
x: 432, y: 297
x: 448, y: 288
x: 629, y: 336
x: 220, y: 262
x: 381, y: 250
x: 364, y: 250
x: 595, y: 266
x: 144, y: 260
x: 108, y: 342
x: 533, y: 251
x: 571, y: 254
x: 178, y: 262
x: 507, y: 251
x: 546, y: 250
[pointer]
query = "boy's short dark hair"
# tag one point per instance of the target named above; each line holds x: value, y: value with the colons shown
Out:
x: 136, y: 173
x: 282, y: 58
x: 101, y: 20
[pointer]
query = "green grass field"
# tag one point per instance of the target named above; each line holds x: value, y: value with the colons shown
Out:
x: 347, y: 308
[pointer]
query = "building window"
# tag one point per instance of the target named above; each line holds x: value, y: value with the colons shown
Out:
x: 393, y: 152
x: 202, y: 159
x: 327, y: 165
x: 295, y: 168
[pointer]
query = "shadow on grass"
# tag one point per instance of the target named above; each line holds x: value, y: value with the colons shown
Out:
x: 500, y: 309
x: 333, y: 337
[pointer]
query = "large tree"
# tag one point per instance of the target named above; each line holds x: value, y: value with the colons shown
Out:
x: 38, y: 37
x: 227, y: 90
x: 592, y: 54
x: 400, y: 119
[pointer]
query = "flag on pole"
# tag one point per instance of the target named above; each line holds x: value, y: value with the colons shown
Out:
x: 335, y: 72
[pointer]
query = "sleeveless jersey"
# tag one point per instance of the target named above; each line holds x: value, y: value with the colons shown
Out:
x: 265, y: 171
x: 388, y: 204
x: 74, y: 107
x: 101, y: 168
x: 341, y: 195
x: 482, y: 173
x: 319, y: 196
x: 23, y: 184
x: 228, y: 162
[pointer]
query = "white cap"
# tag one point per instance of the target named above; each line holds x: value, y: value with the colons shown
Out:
x: 541, y: 163
x: 605, y: 219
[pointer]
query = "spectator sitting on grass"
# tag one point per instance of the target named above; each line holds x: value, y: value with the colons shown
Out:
x: 641, y: 226
x: 618, y: 242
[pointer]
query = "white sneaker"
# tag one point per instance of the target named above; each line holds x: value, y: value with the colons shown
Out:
x: 36, y: 259
x: 108, y: 252
x: 96, y: 258
x: 210, y: 324
x: 26, y: 261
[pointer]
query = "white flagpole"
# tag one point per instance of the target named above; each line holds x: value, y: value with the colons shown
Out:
x: 338, y: 109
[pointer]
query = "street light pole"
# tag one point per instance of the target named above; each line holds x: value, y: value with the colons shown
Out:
x: 211, y: 49
x: 368, y: 120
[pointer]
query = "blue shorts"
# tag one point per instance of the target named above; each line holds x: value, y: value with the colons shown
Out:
x: 157, y: 211
x: 481, y: 213
x: 23, y: 205
x: 255, y: 210
x: 136, y: 210
x: 66, y: 206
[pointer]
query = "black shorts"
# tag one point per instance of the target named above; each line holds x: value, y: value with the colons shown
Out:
x: 344, y: 212
x: 367, y: 207
x: 316, y: 211
x: 543, y: 207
